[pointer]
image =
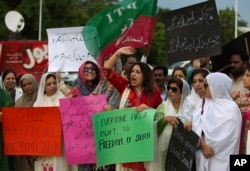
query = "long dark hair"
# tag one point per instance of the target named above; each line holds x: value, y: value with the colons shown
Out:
x: 148, y: 80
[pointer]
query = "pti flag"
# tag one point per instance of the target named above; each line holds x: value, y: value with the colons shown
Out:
x: 128, y: 23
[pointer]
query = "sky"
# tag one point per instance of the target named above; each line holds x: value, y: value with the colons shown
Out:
x: 243, y: 6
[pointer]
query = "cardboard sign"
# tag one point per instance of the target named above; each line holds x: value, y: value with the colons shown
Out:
x: 78, y: 130
x: 182, y: 148
x: 192, y: 32
x: 32, y: 131
x: 124, y: 135
x: 67, y: 50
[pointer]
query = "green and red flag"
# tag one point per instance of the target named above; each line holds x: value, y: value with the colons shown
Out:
x: 128, y: 23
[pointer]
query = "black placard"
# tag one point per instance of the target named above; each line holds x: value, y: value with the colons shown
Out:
x: 182, y: 148
x: 192, y: 32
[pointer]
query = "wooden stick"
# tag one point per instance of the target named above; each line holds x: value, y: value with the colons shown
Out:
x: 225, y: 67
x: 246, y: 44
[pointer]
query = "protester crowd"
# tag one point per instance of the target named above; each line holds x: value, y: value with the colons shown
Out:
x: 212, y: 104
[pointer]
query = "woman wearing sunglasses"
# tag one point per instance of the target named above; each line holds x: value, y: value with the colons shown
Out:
x: 87, y: 80
x: 217, y: 120
x: 166, y: 119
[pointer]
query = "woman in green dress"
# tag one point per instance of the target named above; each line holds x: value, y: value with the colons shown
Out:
x: 5, y: 101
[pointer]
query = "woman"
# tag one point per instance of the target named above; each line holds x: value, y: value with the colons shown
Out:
x: 87, y: 80
x: 166, y: 118
x: 138, y: 91
x: 49, y: 95
x: 5, y: 101
x: 179, y: 72
x: 85, y: 84
x: 244, y: 103
x: 29, y: 87
x: 8, y: 83
x: 197, y: 92
x: 217, y: 120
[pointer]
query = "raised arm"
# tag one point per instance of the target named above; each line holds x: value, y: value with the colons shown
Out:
x: 110, y: 63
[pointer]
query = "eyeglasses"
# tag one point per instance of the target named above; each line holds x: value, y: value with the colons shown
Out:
x: 173, y: 89
x: 86, y: 69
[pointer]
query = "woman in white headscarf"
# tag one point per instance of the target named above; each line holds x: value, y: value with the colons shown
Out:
x: 49, y: 95
x: 217, y: 120
x: 197, y: 92
x: 48, y: 92
x: 166, y: 118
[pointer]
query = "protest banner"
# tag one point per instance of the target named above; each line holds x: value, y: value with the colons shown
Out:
x: 67, y: 50
x: 131, y: 23
x: 182, y: 147
x: 124, y: 135
x: 192, y: 32
x: 33, y: 131
x: 24, y: 56
x: 78, y: 130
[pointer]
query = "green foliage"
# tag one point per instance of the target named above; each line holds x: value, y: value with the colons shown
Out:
x: 227, y: 24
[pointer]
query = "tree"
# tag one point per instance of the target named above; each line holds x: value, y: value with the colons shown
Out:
x: 227, y: 24
x: 55, y: 14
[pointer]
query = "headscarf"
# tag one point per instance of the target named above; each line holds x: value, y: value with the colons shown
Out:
x: 43, y: 99
x: 27, y: 100
x: 80, y: 86
x: 215, y: 118
x: 169, y: 110
x: 166, y: 108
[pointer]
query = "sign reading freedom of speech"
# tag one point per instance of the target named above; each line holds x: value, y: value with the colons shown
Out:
x: 124, y: 135
x: 67, y: 50
x: 32, y: 131
x: 78, y: 131
x: 182, y: 147
x: 192, y: 32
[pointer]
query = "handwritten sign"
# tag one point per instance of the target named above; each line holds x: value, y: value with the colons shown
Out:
x: 77, y: 127
x: 32, y: 131
x: 192, y: 32
x: 182, y: 148
x: 67, y: 50
x: 124, y: 135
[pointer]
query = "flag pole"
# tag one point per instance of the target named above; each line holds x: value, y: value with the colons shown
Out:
x: 236, y: 19
x: 40, y: 21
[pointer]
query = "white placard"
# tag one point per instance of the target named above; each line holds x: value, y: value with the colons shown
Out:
x: 67, y: 50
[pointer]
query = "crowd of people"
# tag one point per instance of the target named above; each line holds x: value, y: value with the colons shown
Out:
x: 214, y: 105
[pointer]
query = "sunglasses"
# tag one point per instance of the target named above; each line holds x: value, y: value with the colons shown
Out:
x: 173, y: 89
x: 86, y: 69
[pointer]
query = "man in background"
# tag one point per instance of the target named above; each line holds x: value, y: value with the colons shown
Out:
x: 238, y: 64
x: 160, y: 73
